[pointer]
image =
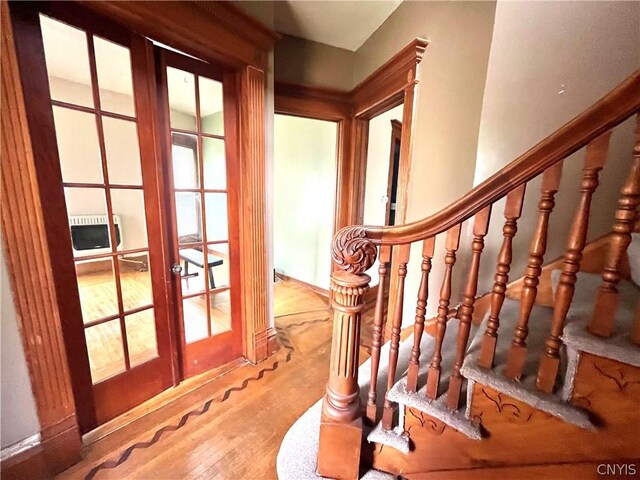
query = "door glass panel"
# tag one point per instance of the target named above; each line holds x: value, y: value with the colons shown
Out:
x: 141, y: 337
x: 211, y: 110
x: 113, y: 65
x: 194, y: 272
x: 215, y: 169
x: 78, y: 146
x: 88, y: 221
x: 106, y: 351
x: 123, y: 151
x: 219, y: 269
x: 216, y: 208
x: 97, y: 287
x: 195, y: 318
x: 135, y: 280
x: 182, y: 99
x: 184, y: 154
x: 128, y: 210
x: 220, y: 311
x: 67, y: 58
x: 188, y: 217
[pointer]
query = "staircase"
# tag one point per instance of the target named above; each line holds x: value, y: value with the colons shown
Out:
x: 546, y: 383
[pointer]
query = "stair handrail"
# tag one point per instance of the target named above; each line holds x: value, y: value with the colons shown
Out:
x: 354, y: 247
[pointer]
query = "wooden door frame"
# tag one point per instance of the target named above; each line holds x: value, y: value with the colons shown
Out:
x: 394, y: 83
x: 217, y: 32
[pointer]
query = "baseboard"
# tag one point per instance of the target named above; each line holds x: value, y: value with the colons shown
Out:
x: 320, y: 291
x: 46, y: 459
x: 273, y: 345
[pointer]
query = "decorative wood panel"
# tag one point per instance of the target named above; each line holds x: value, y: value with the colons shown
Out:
x: 28, y: 260
x: 253, y: 249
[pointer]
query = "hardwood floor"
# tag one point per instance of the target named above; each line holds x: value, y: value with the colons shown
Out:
x: 98, y: 299
x: 229, y: 428
x: 291, y: 298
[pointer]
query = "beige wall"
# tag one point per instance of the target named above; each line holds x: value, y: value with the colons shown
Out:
x: 311, y: 63
x: 18, y: 417
x: 304, y: 201
x: 549, y: 62
x: 452, y: 81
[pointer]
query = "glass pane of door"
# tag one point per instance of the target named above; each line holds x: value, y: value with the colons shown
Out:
x: 201, y: 207
x: 97, y: 134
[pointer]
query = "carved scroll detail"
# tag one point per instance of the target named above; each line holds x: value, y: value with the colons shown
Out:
x: 352, y: 251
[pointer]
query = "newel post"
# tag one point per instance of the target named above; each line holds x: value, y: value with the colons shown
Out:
x: 341, y: 421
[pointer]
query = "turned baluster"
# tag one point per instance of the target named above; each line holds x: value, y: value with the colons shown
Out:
x: 480, y: 229
x: 451, y: 246
x: 378, y: 326
x: 512, y: 212
x: 421, y: 309
x: 635, y: 330
x: 518, y: 351
x: 607, y: 299
x: 550, y: 360
x: 341, y: 417
x: 402, y: 254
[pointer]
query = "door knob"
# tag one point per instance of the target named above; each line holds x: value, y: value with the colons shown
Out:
x: 176, y: 269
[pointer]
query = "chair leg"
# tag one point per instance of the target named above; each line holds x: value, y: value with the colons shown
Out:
x: 212, y: 282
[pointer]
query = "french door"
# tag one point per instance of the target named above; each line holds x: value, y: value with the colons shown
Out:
x: 199, y: 117
x: 144, y: 182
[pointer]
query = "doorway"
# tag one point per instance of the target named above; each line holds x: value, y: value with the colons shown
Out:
x: 381, y: 177
x: 304, y: 204
x: 144, y: 158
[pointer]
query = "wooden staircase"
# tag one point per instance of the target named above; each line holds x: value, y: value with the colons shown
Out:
x: 533, y: 386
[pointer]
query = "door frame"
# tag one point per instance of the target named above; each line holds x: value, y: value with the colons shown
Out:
x: 242, y: 43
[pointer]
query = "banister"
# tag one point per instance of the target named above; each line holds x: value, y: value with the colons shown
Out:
x: 354, y: 248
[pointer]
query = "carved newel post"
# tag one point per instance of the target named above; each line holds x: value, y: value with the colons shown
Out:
x: 341, y: 422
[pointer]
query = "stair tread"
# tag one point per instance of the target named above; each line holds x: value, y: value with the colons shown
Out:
x: 617, y: 347
x: 435, y: 408
x: 524, y: 389
x: 395, y: 438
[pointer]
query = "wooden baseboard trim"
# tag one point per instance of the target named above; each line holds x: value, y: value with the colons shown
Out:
x: 46, y: 459
x: 273, y: 345
x: 320, y: 291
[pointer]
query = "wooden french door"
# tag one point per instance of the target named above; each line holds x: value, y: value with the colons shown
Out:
x: 199, y: 117
x: 140, y: 149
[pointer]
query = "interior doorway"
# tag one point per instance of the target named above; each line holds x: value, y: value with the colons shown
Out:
x: 381, y: 177
x: 142, y: 151
x: 304, y: 205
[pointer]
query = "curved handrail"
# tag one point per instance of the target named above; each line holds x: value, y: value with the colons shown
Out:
x: 615, y: 107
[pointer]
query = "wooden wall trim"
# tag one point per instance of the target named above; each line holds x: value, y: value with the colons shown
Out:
x: 234, y: 19
x: 312, y: 102
x: 29, y: 262
x: 210, y: 34
x: 253, y: 214
x: 384, y: 87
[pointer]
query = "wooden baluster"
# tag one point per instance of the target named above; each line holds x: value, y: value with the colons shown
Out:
x: 421, y: 309
x: 451, y: 246
x: 550, y: 360
x: 512, y: 212
x: 378, y: 326
x: 518, y: 351
x: 402, y: 254
x: 635, y: 330
x: 480, y: 229
x: 607, y: 300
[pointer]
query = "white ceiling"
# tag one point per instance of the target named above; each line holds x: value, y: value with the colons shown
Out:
x: 343, y: 24
x: 67, y: 58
